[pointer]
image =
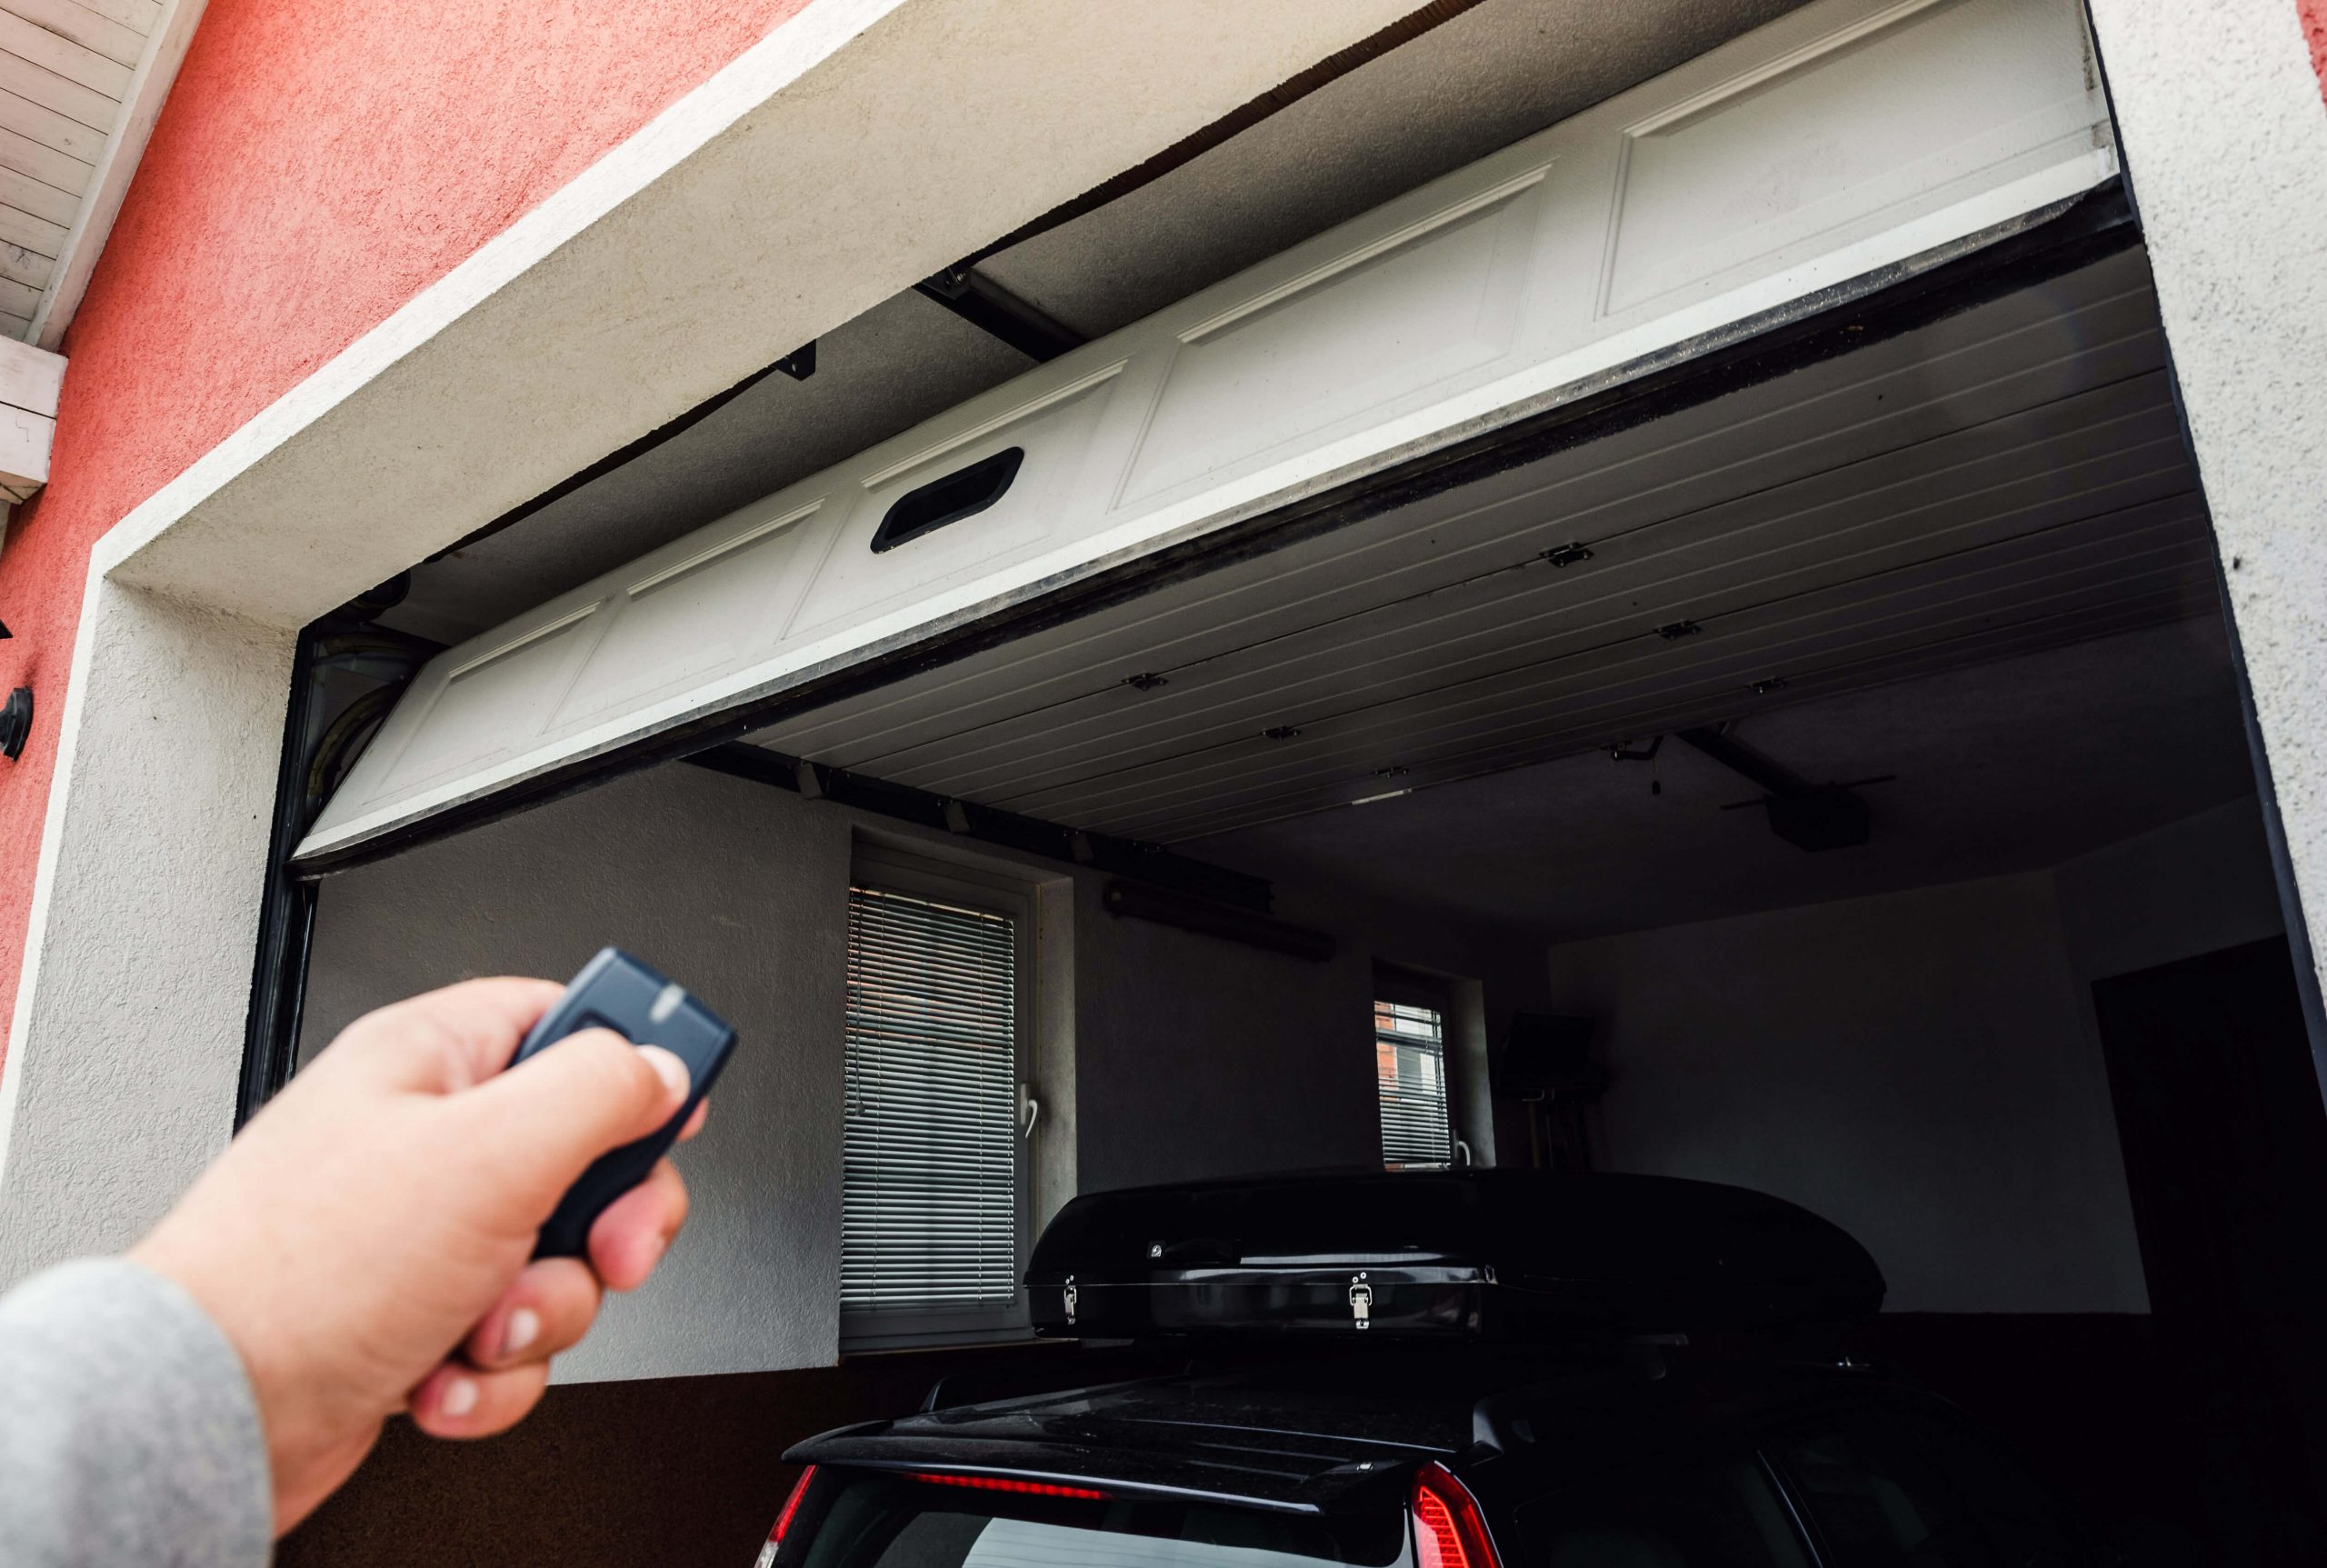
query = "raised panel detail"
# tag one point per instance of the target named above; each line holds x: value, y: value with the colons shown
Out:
x: 692, y: 615
x: 494, y: 703
x: 1391, y: 319
x: 1913, y: 98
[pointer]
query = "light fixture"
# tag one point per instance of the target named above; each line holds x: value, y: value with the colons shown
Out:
x: 15, y: 723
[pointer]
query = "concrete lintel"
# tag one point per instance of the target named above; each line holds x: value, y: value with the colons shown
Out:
x: 863, y: 144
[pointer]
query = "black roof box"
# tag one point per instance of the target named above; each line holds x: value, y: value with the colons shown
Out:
x: 1508, y: 1255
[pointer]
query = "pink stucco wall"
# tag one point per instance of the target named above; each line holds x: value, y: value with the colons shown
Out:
x: 2314, y: 27
x: 318, y: 163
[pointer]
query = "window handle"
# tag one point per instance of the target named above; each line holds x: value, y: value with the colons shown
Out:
x: 1465, y: 1150
x: 1033, y: 1111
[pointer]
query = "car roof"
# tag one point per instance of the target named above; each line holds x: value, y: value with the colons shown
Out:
x: 1311, y: 1432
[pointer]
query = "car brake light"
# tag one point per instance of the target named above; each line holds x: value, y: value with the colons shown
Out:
x: 1448, y: 1531
x: 784, y: 1519
x: 1003, y: 1483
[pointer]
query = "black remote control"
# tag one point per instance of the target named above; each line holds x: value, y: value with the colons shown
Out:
x: 616, y: 992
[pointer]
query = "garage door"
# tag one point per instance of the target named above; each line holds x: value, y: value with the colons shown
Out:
x: 1826, y: 156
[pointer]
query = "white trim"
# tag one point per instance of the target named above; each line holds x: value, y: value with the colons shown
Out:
x: 31, y: 380
x: 149, y: 88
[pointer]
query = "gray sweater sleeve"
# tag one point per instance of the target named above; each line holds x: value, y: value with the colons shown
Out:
x: 128, y: 1434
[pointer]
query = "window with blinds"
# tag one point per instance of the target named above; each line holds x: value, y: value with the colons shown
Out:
x: 1410, y: 1076
x: 930, y: 1210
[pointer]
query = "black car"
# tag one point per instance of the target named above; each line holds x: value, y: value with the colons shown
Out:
x: 1455, y: 1372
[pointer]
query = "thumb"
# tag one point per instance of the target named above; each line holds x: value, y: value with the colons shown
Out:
x: 540, y: 1123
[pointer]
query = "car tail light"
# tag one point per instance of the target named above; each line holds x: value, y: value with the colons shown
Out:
x: 1448, y: 1531
x: 783, y: 1520
x: 1005, y: 1483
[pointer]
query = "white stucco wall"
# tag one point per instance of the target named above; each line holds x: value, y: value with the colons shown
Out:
x: 2224, y: 137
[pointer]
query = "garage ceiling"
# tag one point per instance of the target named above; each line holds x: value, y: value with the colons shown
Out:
x: 2009, y: 480
x: 2002, y: 768
x: 1498, y: 72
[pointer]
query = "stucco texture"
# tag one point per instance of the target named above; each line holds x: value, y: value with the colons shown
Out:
x: 2314, y: 28
x: 317, y: 163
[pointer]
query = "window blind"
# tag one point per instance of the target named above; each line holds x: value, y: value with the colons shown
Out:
x: 1410, y: 1076
x: 929, y: 1187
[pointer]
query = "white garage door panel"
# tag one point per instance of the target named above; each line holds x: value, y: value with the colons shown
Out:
x: 2097, y: 331
x: 1846, y: 138
x: 1737, y: 175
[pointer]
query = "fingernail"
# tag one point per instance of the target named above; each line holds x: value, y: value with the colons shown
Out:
x: 459, y: 1397
x: 669, y: 1068
x: 524, y: 1327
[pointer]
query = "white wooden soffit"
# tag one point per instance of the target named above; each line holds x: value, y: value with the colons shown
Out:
x: 108, y: 181
x: 1847, y: 137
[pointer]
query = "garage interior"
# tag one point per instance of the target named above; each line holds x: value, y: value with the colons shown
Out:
x: 1849, y: 744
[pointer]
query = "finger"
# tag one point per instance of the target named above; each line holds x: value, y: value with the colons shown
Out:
x: 630, y: 1238
x: 547, y: 1308
x: 446, y: 1040
x: 695, y: 1120
x: 458, y: 1400
x: 540, y: 1123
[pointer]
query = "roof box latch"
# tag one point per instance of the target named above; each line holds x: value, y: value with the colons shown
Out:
x: 1361, y: 1302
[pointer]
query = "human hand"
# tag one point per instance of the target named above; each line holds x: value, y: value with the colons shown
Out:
x: 364, y: 1244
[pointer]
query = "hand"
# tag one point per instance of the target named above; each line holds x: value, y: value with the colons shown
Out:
x: 363, y: 1243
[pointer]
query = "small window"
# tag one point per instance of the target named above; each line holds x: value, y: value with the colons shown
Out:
x: 1409, y: 1080
x: 932, y: 1197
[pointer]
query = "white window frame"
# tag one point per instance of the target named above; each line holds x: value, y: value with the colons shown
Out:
x: 1395, y: 987
x: 898, y: 1329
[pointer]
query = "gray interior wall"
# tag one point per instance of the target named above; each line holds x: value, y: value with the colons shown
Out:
x: 2193, y: 886
x: 1918, y: 1067
x: 1199, y: 1057
x: 1923, y: 1067
x: 1158, y: 1053
x: 709, y: 878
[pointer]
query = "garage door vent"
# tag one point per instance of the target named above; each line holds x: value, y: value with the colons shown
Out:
x: 964, y: 493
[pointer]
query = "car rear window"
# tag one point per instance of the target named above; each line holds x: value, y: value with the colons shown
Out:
x: 867, y: 1520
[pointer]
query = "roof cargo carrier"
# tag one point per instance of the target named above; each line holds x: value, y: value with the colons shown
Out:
x: 1501, y: 1255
